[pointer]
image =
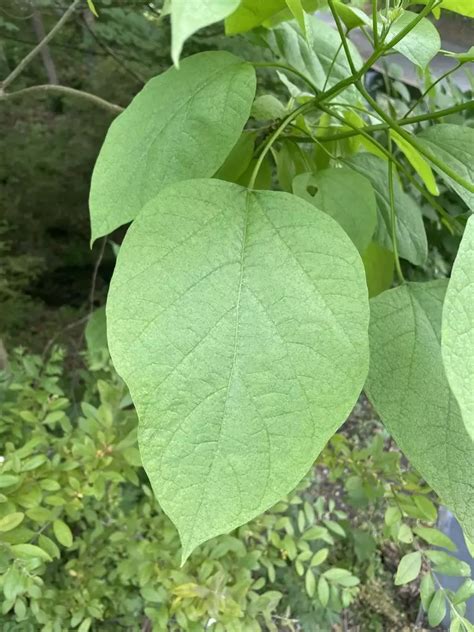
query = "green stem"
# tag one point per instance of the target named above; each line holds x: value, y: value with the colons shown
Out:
x: 430, y: 87
x: 271, y: 140
x: 393, y: 215
x: 375, y: 29
x: 343, y: 37
x: 264, y: 64
x: 414, y: 141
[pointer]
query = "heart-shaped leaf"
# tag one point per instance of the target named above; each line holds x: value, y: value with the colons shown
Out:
x: 239, y: 321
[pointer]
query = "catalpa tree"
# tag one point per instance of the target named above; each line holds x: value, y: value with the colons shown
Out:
x: 239, y: 312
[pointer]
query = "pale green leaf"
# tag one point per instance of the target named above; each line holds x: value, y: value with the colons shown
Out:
x: 310, y: 582
x: 405, y: 534
x: 250, y: 14
x: 464, y: 7
x: 346, y: 196
x: 30, y: 550
x: 10, y: 521
x: 238, y: 320
x: 437, y: 609
x: 379, y: 268
x: 319, y: 557
x: 464, y: 592
x: 427, y: 590
x: 454, y: 145
x: 92, y: 8
x: 435, y: 537
x: 419, y: 164
x: 323, y: 591
x: 182, y: 125
x: 352, y: 17
x: 267, y: 107
x: 297, y: 11
x: 313, y: 56
x: 457, y: 341
x: 465, y: 57
x: 420, y: 44
x: 408, y: 568
x: 189, y: 16
x: 408, y: 388
x: 62, y: 533
x: 411, y: 234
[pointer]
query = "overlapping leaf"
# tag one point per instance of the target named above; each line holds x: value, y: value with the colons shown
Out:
x: 188, y: 16
x: 458, y: 328
x: 411, y: 234
x: 454, y: 145
x: 239, y: 321
x: 181, y: 125
x: 408, y: 387
x: 346, y: 196
x: 420, y: 44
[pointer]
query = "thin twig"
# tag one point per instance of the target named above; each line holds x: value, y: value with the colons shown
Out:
x: 37, y: 49
x: 65, y: 90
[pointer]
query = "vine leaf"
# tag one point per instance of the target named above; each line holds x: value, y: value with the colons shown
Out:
x: 239, y: 321
x: 188, y: 16
x: 181, y: 125
x: 411, y: 234
x: 454, y: 145
x: 464, y: 7
x: 457, y: 341
x: 419, y: 164
x: 346, y: 196
x: 408, y: 387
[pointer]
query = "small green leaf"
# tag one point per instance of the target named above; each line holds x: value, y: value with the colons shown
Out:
x: 405, y: 534
x: 437, y: 609
x: 352, y: 17
x: 319, y: 557
x: 267, y: 107
x: 247, y: 321
x: 239, y: 158
x: 182, y: 125
x: 426, y: 507
x: 310, y: 582
x: 8, y: 480
x: 435, y: 537
x: 30, y: 550
x: 189, y: 16
x: 15, y: 582
x: 408, y: 568
x: 447, y: 564
x: 392, y: 516
x: 49, y: 546
x: 96, y: 331
x: 427, y: 590
x: 62, y: 533
x: 464, y: 592
x: 457, y: 342
x: 323, y: 591
x: 464, y: 58
x: 9, y: 522
x: 92, y: 8
x: 463, y: 7
x: 419, y: 164
x: 346, y: 196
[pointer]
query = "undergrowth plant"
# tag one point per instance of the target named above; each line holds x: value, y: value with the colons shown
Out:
x: 239, y: 313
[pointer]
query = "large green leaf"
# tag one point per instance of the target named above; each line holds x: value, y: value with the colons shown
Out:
x: 181, y: 125
x: 458, y: 328
x: 454, y: 145
x: 420, y: 44
x: 411, y: 234
x: 346, y: 196
x: 239, y: 321
x: 408, y: 387
x: 188, y: 16
x: 313, y: 56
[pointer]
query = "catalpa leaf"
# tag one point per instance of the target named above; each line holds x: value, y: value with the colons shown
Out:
x: 346, y: 196
x: 411, y: 234
x: 420, y: 44
x: 454, y: 145
x: 188, y: 16
x: 182, y: 125
x: 239, y: 321
x: 408, y: 387
x: 457, y: 342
